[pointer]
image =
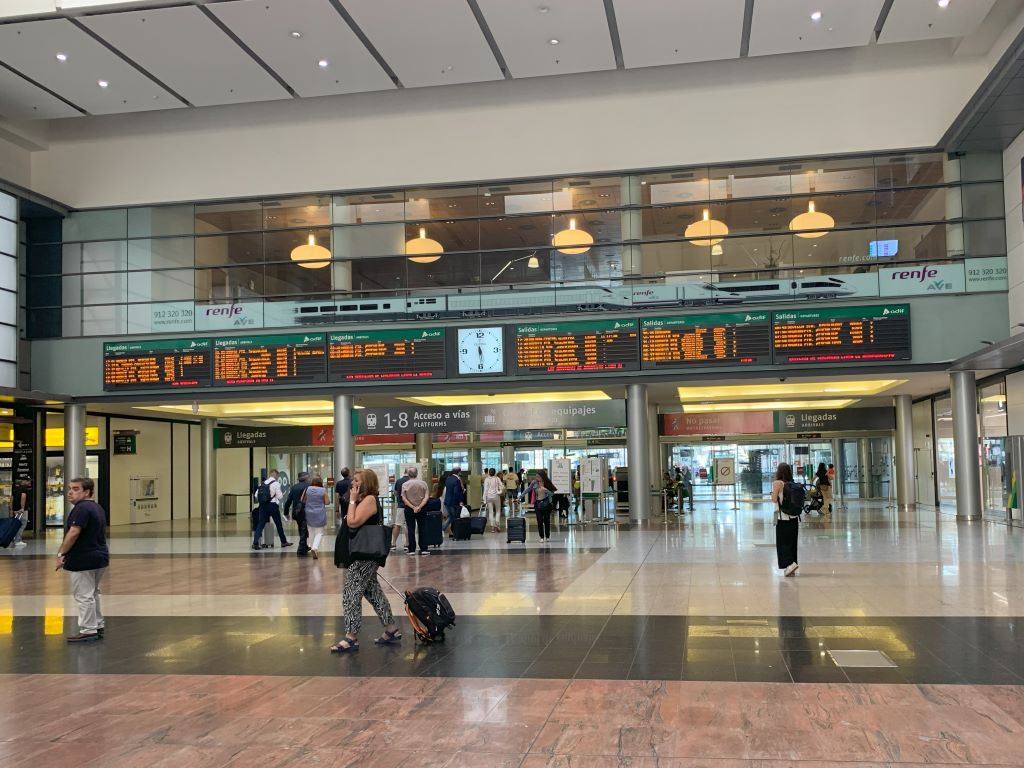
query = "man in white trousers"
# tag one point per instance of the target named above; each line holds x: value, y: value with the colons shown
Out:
x: 83, y: 553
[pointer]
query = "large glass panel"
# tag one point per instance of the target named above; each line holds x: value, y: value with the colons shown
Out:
x: 384, y: 274
x: 278, y: 246
x: 992, y: 402
x: 944, y: 467
x: 752, y: 181
x: 291, y: 279
x: 981, y: 166
x: 899, y: 206
x: 104, y: 288
x: 909, y: 170
x: 680, y: 261
x: 308, y: 211
x: 48, y: 259
x: 519, y: 232
x: 160, y: 220
x: 229, y: 283
x: 675, y: 187
x: 921, y: 243
x: 358, y: 242
x: 427, y: 204
x: 603, y: 225
x: 213, y: 218
x: 452, y: 234
x: 833, y: 175
x: 509, y: 267
x: 670, y: 222
x: 170, y: 285
x: 845, y: 248
x: 527, y: 197
x: 105, y: 256
x: 229, y: 249
x: 165, y: 253
x: 106, y: 320
x: 451, y: 270
x: 8, y: 237
x: 982, y: 201
x: 369, y: 207
x: 107, y: 224
x: 755, y: 216
x: 740, y: 255
x: 985, y: 238
x: 583, y: 193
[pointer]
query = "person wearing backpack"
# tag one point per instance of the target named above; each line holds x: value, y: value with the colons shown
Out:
x: 268, y: 496
x: 788, y: 497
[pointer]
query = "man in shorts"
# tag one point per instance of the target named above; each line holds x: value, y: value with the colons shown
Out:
x: 512, y: 490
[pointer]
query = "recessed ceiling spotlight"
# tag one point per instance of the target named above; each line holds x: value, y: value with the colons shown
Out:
x: 542, y: 9
x: 62, y: 57
x: 296, y: 34
x: 943, y: 3
x: 816, y: 16
x: 554, y: 41
x: 102, y: 83
x: 323, y: 63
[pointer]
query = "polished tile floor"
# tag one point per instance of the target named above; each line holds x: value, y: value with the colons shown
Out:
x: 675, y: 643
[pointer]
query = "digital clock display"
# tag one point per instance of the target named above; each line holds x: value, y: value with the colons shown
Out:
x: 844, y: 335
x: 577, y: 347
x: 175, y: 363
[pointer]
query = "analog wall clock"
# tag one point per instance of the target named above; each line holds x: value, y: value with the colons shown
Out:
x: 481, y: 350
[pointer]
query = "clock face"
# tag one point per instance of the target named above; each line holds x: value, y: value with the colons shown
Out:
x: 481, y: 350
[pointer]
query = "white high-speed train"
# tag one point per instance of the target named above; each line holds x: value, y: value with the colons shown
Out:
x: 522, y: 301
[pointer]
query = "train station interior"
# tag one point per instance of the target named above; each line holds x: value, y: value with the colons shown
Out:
x: 700, y: 322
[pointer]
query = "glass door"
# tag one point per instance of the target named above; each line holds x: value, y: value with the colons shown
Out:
x: 56, y: 503
x: 994, y: 484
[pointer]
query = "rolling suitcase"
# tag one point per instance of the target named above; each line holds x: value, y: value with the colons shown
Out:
x: 9, y: 527
x: 429, y: 612
x: 463, y: 530
x: 478, y: 525
x: 516, y: 527
x: 268, y: 529
x: 433, y: 531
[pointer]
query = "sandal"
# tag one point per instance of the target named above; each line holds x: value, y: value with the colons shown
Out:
x: 389, y: 638
x: 345, y: 646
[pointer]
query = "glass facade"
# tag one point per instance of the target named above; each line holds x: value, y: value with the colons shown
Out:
x: 679, y: 233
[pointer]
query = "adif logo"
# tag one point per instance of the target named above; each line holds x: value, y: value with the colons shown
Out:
x: 424, y: 335
x: 616, y: 325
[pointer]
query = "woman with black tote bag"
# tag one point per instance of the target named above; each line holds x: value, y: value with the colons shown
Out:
x: 361, y: 575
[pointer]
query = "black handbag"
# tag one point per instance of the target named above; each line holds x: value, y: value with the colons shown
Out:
x: 369, y: 542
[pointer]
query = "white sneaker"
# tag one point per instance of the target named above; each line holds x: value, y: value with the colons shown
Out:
x: 411, y: 552
x: 791, y: 569
x: 20, y: 544
x: 425, y: 552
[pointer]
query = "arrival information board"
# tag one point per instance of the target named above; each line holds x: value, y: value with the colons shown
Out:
x: 299, y: 358
x: 163, y: 363
x: 408, y: 353
x: 740, y: 338
x: 602, y: 345
x: 847, y: 334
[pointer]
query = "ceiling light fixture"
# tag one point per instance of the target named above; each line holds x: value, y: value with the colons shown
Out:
x: 716, y: 250
x: 554, y: 41
x: 572, y: 240
x: 524, y: 397
x: 542, y: 9
x: 62, y: 57
x: 323, y: 63
x: 810, y: 224
x: 311, y: 255
x: 102, y: 83
x: 767, y: 405
x: 943, y: 3
x: 422, y: 249
x: 710, y: 231
x: 816, y: 16
x: 296, y: 34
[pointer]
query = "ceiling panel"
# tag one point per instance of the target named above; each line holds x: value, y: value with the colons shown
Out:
x: 21, y: 100
x: 31, y: 47
x: 654, y: 32
x: 785, y: 26
x: 523, y: 30
x: 924, y: 19
x: 189, y: 53
x: 427, y: 43
x: 267, y: 28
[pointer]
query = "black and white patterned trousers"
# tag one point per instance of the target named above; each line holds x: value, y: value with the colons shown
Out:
x: 361, y: 581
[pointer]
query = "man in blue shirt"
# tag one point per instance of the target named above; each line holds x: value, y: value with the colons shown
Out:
x: 83, y: 553
x: 454, y: 495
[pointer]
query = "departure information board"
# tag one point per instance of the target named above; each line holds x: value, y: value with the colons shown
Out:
x: 409, y: 353
x: 740, y: 338
x: 299, y: 358
x: 601, y: 345
x: 162, y: 363
x: 846, y: 334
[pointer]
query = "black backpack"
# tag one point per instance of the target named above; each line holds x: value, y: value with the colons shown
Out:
x: 263, y: 493
x: 793, y: 497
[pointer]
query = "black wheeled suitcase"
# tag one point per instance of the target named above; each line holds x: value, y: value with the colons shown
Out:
x: 433, y: 532
x: 463, y: 529
x: 516, y: 527
x: 9, y: 527
x: 477, y: 525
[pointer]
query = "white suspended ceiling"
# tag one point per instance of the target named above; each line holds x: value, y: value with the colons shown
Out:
x: 159, y: 54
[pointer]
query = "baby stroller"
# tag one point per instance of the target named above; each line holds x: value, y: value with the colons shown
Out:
x: 815, y: 501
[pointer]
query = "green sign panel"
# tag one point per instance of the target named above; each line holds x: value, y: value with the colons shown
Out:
x: 845, y: 313
x: 283, y: 340
x: 704, y: 321
x: 400, y: 334
x: 158, y: 345
x: 585, y: 326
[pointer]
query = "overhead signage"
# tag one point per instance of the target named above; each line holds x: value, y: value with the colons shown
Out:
x: 163, y: 363
x: 229, y: 316
x: 741, y: 338
x: 284, y: 359
x: 161, y: 317
x: 124, y: 443
x: 835, y: 420
x: 264, y: 437
x: 921, y: 279
x: 378, y: 355
x: 724, y: 471
x: 735, y: 423
x: 842, y: 335
x: 987, y: 274
x: 479, y: 418
x: 577, y: 347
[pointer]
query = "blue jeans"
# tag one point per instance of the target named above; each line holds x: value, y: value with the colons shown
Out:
x: 268, y: 513
x: 451, y: 513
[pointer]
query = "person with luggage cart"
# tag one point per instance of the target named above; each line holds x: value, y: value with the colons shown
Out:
x: 361, y: 575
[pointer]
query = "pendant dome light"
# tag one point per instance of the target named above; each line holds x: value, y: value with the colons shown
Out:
x: 811, y: 223
x: 572, y: 240
x: 422, y: 249
x: 709, y: 231
x: 311, y: 255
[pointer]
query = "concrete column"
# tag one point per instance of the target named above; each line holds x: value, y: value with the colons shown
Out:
x: 475, y: 468
x: 906, y: 483
x: 425, y: 453
x: 508, y: 456
x: 74, y: 442
x: 964, y: 397
x: 638, y: 447
x: 207, y: 469
x: 344, y: 444
x: 654, y: 447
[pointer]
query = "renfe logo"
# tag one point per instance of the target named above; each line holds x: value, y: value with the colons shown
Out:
x: 920, y: 275
x: 227, y: 311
